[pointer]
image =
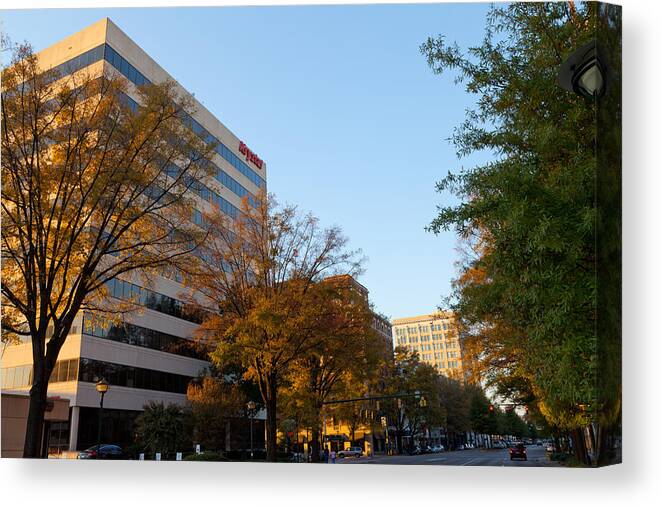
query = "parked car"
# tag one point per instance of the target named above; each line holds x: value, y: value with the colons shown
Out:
x: 518, y: 451
x: 499, y: 445
x: 104, y: 451
x: 437, y: 448
x: 550, y: 447
x: 356, y: 452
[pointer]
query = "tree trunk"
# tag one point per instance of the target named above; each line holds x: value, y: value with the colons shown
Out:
x: 314, y: 444
x: 42, y: 367
x: 578, y: 440
x: 604, y: 446
x: 271, y: 427
x: 35, y: 422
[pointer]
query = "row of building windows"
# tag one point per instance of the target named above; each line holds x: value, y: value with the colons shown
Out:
x: 105, y: 52
x: 65, y: 370
x: 199, y: 188
x: 141, y: 337
x: 422, y: 330
x: 133, y: 75
x: 437, y: 355
x: 92, y: 370
x: 79, y: 62
x: 121, y: 289
x: 436, y: 345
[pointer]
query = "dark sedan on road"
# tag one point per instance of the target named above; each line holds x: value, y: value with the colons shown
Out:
x: 104, y: 451
x: 518, y: 451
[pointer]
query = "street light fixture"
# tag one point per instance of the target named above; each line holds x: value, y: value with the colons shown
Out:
x: 102, y: 388
x: 584, y: 72
x: 251, y: 411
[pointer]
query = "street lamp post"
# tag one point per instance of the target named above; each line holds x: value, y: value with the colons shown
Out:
x: 423, y: 404
x: 102, y: 389
x: 584, y: 72
x: 251, y: 410
x: 399, y: 442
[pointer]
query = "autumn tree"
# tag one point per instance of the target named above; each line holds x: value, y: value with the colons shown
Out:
x: 213, y: 403
x: 420, y: 405
x: 347, y: 356
x: 262, y: 274
x: 534, y: 217
x: 94, y: 185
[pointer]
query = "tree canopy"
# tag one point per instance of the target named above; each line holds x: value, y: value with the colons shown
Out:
x: 527, y: 288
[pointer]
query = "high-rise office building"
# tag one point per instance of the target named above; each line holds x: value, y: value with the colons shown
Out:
x: 149, y: 358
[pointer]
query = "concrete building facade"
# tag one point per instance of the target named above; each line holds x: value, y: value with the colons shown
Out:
x: 148, y: 358
x: 435, y: 338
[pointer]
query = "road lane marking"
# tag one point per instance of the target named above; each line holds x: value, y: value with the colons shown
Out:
x: 437, y: 459
x: 467, y: 462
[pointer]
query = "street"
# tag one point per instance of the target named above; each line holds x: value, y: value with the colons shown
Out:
x: 471, y: 457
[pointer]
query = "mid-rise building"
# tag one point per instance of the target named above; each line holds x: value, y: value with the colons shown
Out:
x: 148, y: 358
x: 435, y: 338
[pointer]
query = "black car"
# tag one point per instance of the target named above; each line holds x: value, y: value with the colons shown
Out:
x: 104, y: 451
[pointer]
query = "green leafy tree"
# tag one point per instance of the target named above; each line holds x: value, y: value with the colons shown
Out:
x: 161, y: 429
x: 456, y: 403
x: 527, y: 292
x: 482, y: 413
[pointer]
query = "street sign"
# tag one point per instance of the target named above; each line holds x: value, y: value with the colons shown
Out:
x: 198, y: 450
x: 142, y: 456
x: 178, y: 456
x: 158, y: 456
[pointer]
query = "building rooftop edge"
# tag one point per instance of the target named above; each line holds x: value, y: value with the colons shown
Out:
x: 99, y: 32
x: 423, y: 318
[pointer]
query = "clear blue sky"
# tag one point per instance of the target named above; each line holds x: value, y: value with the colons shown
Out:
x: 339, y: 103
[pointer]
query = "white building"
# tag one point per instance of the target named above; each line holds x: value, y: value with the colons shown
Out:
x: 148, y: 359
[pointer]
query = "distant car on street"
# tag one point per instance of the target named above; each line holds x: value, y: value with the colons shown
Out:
x: 550, y: 447
x: 104, y: 451
x: 437, y: 448
x: 518, y: 451
x: 356, y: 452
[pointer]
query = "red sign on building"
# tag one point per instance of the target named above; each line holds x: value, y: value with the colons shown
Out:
x: 250, y: 155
